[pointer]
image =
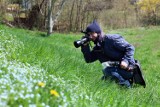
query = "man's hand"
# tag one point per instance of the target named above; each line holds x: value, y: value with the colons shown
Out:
x: 124, y: 65
x: 85, y: 44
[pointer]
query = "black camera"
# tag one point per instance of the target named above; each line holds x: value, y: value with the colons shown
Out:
x: 81, y: 42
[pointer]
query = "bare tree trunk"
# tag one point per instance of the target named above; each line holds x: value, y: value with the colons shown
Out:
x: 77, y: 16
x: 50, y: 20
x: 125, y: 15
x: 83, y: 20
x: 45, y: 15
x: 71, y: 16
x: 58, y: 12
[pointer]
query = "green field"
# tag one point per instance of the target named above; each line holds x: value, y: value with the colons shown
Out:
x: 32, y: 65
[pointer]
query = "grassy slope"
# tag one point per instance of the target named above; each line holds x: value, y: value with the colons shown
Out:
x: 57, y: 55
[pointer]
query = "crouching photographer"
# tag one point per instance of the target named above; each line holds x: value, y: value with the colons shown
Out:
x: 110, y: 48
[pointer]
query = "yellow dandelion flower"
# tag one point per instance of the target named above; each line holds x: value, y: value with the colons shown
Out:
x: 41, y: 84
x: 54, y: 92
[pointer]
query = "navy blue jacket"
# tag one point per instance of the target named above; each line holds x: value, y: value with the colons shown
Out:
x: 112, y: 47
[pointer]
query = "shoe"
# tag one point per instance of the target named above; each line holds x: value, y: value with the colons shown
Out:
x: 131, y: 81
x: 125, y: 83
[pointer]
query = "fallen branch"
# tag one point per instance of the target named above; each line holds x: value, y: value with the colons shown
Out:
x: 7, y: 23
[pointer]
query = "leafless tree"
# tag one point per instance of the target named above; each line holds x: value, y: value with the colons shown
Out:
x: 52, y: 19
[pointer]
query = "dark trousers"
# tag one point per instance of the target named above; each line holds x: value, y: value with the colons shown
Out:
x: 117, y: 73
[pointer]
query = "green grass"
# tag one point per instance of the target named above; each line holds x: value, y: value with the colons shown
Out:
x: 27, y: 57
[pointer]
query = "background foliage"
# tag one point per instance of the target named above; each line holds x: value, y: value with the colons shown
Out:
x: 150, y: 11
x: 77, y: 14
